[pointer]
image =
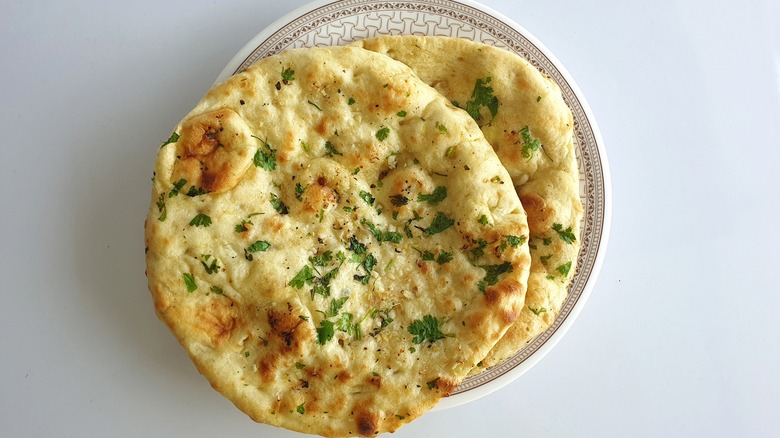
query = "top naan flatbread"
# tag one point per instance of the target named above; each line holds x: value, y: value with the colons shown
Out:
x: 333, y: 243
x: 523, y: 115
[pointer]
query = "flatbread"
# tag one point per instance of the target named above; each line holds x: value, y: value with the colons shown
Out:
x: 334, y: 244
x: 515, y: 106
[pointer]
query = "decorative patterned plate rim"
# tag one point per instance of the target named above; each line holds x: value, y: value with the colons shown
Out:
x: 594, y: 171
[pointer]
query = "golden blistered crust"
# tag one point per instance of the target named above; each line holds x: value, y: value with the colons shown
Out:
x: 523, y: 115
x: 359, y: 250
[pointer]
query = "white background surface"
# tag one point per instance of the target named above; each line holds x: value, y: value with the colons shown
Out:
x: 679, y: 338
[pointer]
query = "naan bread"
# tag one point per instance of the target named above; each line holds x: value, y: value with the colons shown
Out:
x: 524, y: 117
x: 333, y: 243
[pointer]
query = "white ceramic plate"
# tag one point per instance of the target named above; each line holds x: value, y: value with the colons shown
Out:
x: 328, y: 22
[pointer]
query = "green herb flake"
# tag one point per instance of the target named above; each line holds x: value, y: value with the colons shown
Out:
x: 479, y: 251
x: 200, y: 220
x: 314, y: 105
x: 439, y: 223
x: 304, y: 276
x: 288, y: 75
x: 426, y: 329
x: 546, y: 241
x: 258, y: 246
x: 278, y: 204
x: 162, y: 208
x: 172, y: 139
x: 325, y: 332
x: 401, y: 113
x: 212, y: 267
x: 564, y: 269
x: 444, y: 257
x: 448, y: 153
x: 530, y: 143
x: 299, y: 189
x: 321, y: 259
x: 399, y: 200
x: 242, y: 227
x: 566, y: 235
x: 196, y: 191
x: 483, y: 220
x: 176, y: 187
x: 515, y: 241
x: 217, y: 290
x: 538, y: 311
x: 433, y: 198
x: 356, y: 171
x: 538, y: 98
x: 265, y: 156
x: 366, y: 196
x: 189, y: 281
x: 441, y: 128
x: 299, y: 366
x: 301, y: 409
x: 335, y: 306
x: 355, y: 246
x: 482, y: 96
x: 246, y: 354
x: 545, y: 259
x: 428, y: 256
x: 348, y: 209
x: 351, y: 101
x: 412, y: 349
x: 382, y: 133
x: 433, y: 383
x: 491, y: 274
x: 330, y: 150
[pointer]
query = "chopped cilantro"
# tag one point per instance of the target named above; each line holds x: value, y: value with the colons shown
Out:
x: 196, y: 191
x: 212, y: 267
x: 172, y: 139
x: 483, y: 220
x: 301, y: 409
x: 564, y: 269
x: 439, y: 223
x: 288, y: 75
x: 565, y: 235
x: 356, y: 171
x: 401, y: 113
x: 433, y: 198
x: 479, y: 251
x: 399, y: 200
x: 242, y: 227
x: 330, y: 150
x: 304, y: 276
x: 444, y: 257
x: 428, y: 256
x: 482, y: 95
x: 546, y: 241
x: 335, y: 306
x: 349, y: 209
x: 426, y: 329
x: 530, y: 143
x: 314, y: 105
x: 491, y: 274
x: 433, y: 383
x: 299, y: 189
x: 448, y: 153
x: 538, y: 311
x: 162, y: 208
x: 217, y: 290
x: 258, y: 246
x: 265, y: 156
x: 538, y: 98
x: 345, y: 324
x: 299, y: 366
x: 200, y: 220
x: 355, y: 246
x: 176, y: 187
x: 382, y: 133
x: 351, y: 101
x: 515, y: 241
x: 325, y: 332
x: 278, y: 204
x: 545, y: 259
x: 189, y: 281
x: 442, y: 129
x: 387, y: 236
x: 322, y: 259
x: 366, y: 196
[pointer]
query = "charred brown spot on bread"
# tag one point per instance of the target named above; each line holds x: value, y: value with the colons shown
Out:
x: 212, y: 150
x: 445, y: 385
x: 367, y: 422
x: 495, y: 294
x: 289, y: 329
x: 344, y: 376
x: 319, y: 196
x: 218, y: 319
x: 539, y: 214
x: 375, y: 381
